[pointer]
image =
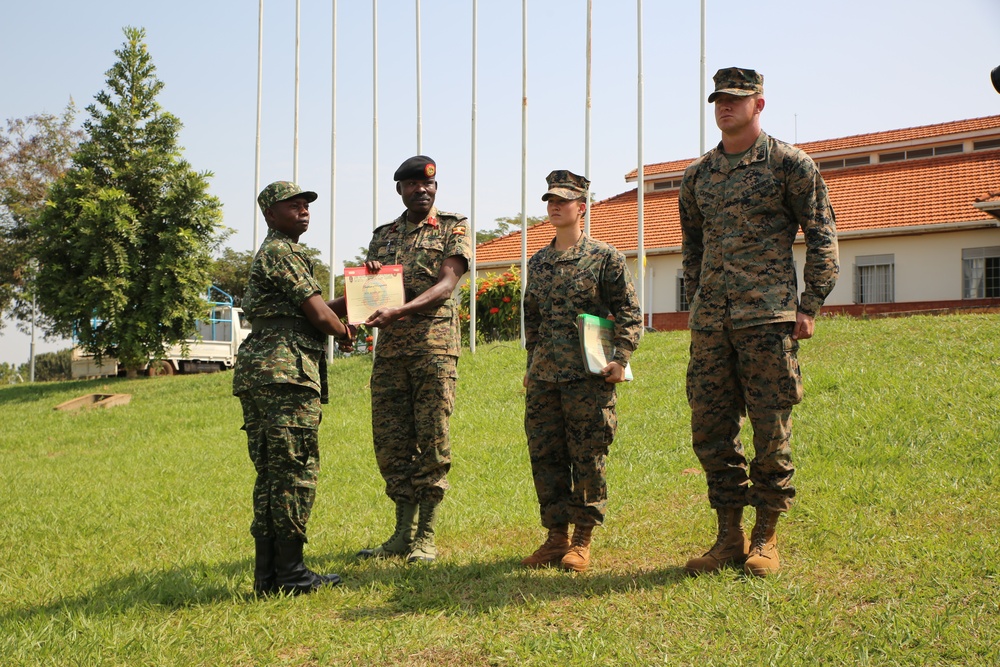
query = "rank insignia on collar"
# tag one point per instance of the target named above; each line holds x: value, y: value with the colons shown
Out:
x: 432, y: 221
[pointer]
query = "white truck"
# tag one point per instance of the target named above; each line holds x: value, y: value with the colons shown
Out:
x: 212, y: 348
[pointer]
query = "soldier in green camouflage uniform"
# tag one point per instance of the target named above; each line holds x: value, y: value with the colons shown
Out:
x: 569, y: 413
x: 416, y: 357
x: 741, y: 206
x: 280, y: 379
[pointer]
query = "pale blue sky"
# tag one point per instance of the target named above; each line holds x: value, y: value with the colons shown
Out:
x: 831, y: 69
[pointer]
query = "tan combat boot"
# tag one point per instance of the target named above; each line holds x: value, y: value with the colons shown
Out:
x: 763, y: 557
x: 400, y: 542
x: 731, y: 544
x: 552, y: 550
x: 577, y: 558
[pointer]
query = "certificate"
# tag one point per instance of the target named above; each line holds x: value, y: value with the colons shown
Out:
x: 597, y: 343
x: 367, y: 292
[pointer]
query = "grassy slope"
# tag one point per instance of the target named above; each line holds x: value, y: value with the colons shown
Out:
x: 124, y: 532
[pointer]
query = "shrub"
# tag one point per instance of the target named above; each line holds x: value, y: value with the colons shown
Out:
x: 498, y: 307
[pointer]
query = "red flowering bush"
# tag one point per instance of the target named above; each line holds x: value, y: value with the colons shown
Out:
x: 498, y: 307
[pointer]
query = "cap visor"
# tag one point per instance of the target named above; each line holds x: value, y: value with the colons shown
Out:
x: 736, y: 92
x: 562, y: 193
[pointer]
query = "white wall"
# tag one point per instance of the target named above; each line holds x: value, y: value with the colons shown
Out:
x: 928, y: 267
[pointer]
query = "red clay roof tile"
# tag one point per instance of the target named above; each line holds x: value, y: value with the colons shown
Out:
x: 891, y: 195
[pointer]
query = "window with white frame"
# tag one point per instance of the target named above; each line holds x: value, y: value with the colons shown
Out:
x: 874, y: 279
x: 981, y: 273
x: 682, y: 297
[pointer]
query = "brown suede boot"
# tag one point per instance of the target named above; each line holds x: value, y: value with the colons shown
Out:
x: 577, y: 558
x: 731, y: 544
x: 552, y: 550
x: 763, y: 557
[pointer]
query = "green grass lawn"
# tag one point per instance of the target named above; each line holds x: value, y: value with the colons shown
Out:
x: 124, y: 532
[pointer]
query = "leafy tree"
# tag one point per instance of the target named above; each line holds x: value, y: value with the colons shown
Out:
x: 359, y: 259
x: 230, y: 272
x: 34, y: 152
x: 505, y: 226
x: 50, y: 366
x: 8, y: 373
x: 125, y: 241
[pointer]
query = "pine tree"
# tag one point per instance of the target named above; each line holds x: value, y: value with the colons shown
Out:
x: 127, y: 235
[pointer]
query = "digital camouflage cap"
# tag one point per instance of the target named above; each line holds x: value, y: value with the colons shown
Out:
x: 737, y: 81
x: 280, y: 191
x: 565, y: 184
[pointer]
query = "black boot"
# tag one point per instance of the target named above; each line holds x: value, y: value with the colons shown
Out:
x: 264, y: 579
x: 292, y: 575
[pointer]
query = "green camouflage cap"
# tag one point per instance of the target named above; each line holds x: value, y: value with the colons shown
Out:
x: 565, y: 184
x: 738, y: 82
x: 280, y: 191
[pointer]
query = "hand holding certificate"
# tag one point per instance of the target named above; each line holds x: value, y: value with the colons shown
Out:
x: 597, y: 343
x: 366, y: 292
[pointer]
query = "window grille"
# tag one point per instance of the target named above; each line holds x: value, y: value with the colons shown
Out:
x: 874, y: 279
x: 981, y: 273
x: 682, y: 300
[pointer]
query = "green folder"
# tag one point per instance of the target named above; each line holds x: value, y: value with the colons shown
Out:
x: 597, y: 343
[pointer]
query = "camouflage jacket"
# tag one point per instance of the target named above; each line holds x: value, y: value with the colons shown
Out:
x: 421, y: 248
x: 739, y: 224
x: 591, y: 277
x: 281, y: 279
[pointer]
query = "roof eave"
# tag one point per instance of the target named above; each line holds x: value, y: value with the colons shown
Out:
x: 908, y: 230
x: 989, y: 208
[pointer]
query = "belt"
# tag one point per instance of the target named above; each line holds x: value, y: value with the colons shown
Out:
x: 288, y: 323
x: 301, y: 326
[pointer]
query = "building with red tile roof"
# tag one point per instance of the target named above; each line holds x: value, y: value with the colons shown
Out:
x: 918, y: 221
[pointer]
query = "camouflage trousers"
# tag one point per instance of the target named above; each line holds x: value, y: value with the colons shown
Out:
x: 282, y: 425
x: 570, y: 426
x: 412, y: 401
x: 752, y: 371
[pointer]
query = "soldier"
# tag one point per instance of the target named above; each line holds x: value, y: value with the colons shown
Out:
x: 280, y: 379
x: 741, y: 206
x: 416, y: 356
x: 569, y: 415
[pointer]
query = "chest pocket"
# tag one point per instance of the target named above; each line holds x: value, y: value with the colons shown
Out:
x: 433, y: 245
x: 761, y: 195
x: 709, y: 200
x: 585, y: 284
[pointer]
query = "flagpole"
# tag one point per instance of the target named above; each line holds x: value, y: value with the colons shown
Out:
x: 260, y: 79
x: 295, y: 141
x: 524, y: 159
x: 333, y: 166
x: 640, y: 190
x: 419, y: 104
x: 472, y: 196
x: 586, y: 142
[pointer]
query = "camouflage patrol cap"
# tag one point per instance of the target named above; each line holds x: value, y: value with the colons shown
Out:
x: 280, y: 191
x: 738, y: 82
x: 565, y: 184
x: 417, y: 167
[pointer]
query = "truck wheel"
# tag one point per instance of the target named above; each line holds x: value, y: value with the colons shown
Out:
x: 159, y: 367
